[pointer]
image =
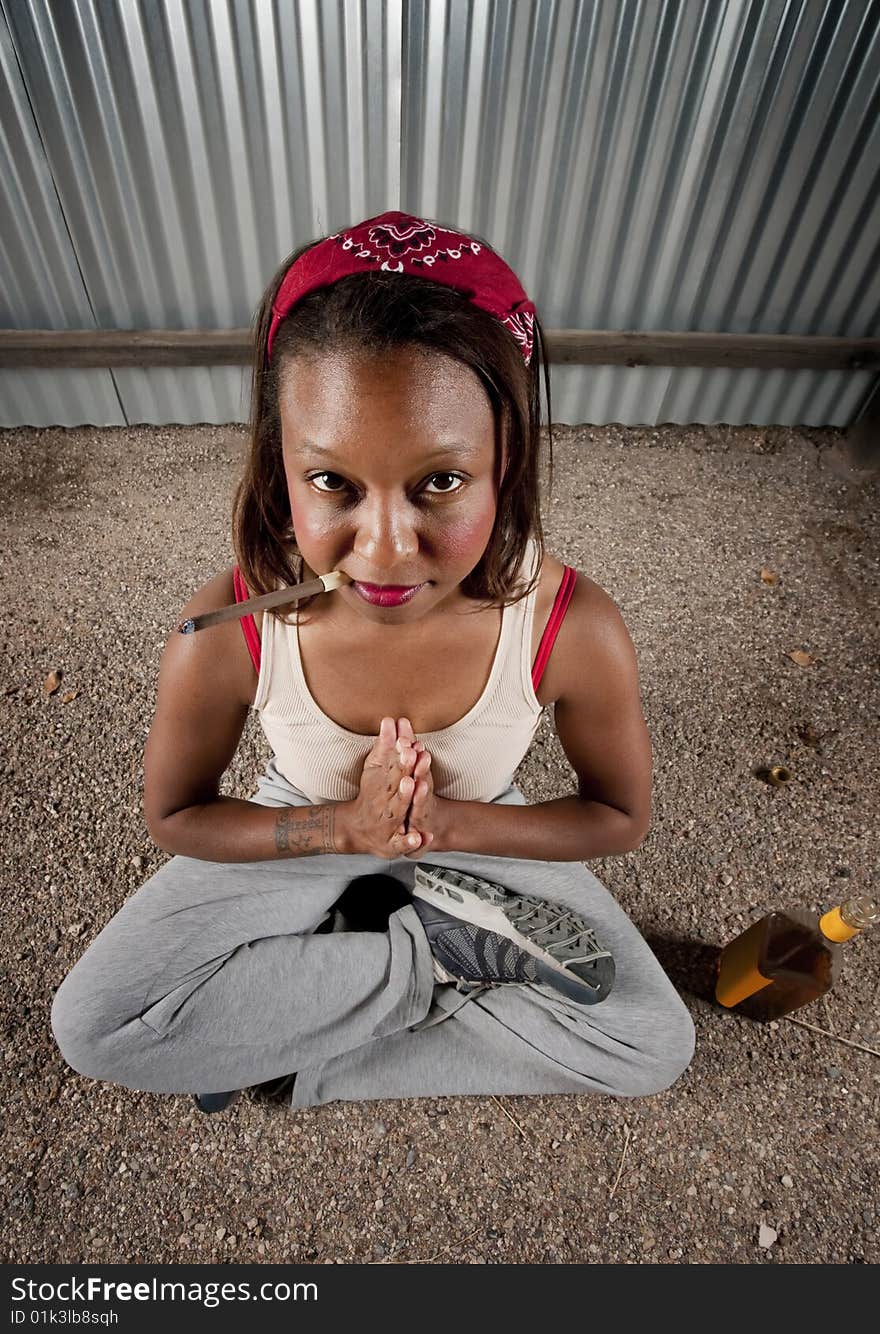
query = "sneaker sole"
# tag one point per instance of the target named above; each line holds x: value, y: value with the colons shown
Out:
x: 469, y: 907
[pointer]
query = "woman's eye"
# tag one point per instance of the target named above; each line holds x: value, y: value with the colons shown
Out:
x: 333, y: 489
x: 448, y: 483
x: 448, y: 477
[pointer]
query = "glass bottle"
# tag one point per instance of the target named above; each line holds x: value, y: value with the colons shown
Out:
x: 789, y: 958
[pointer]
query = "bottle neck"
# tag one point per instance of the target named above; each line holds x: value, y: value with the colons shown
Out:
x: 850, y: 918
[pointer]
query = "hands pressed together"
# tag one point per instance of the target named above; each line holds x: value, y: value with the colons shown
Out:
x: 396, y: 813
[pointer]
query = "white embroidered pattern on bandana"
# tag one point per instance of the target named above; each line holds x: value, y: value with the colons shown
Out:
x: 415, y: 242
x: 411, y: 242
x: 522, y: 326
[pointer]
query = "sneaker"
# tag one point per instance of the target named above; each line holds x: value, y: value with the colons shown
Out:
x: 214, y: 1102
x: 368, y: 901
x: 278, y: 1091
x: 480, y: 934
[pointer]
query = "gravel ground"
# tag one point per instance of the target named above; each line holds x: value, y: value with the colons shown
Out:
x: 764, y: 1152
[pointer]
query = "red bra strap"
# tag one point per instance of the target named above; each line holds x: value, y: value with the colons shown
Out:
x: 560, y: 606
x: 248, y: 624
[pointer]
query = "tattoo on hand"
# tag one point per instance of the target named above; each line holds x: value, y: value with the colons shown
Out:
x: 309, y: 836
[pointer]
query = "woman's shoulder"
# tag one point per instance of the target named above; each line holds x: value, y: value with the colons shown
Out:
x: 587, y: 607
x: 225, y: 643
x: 586, y: 590
x: 550, y: 582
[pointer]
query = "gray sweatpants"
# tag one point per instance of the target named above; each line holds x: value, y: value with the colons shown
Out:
x: 213, y: 977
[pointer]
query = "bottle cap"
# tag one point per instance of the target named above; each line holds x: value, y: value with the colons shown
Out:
x: 835, y: 928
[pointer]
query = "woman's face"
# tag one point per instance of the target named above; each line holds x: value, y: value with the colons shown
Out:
x: 390, y: 464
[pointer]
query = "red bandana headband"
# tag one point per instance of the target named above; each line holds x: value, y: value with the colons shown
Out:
x: 401, y: 243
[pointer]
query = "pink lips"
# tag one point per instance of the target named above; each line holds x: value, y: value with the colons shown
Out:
x: 386, y: 595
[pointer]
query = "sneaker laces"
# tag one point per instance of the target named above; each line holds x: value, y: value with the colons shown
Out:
x: 551, y: 928
x: 466, y: 991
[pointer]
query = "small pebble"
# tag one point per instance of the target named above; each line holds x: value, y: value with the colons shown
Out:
x: 766, y: 1236
x: 220, y: 1233
x: 787, y: 1180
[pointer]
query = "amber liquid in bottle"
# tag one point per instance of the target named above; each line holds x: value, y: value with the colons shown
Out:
x: 788, y: 959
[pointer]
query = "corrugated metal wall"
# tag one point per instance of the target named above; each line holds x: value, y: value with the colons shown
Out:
x: 643, y: 164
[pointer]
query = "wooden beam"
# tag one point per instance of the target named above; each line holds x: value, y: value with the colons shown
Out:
x: 731, y: 351
x: 35, y: 349
x: 89, y: 348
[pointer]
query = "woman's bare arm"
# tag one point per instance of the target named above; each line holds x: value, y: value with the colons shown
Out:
x: 598, y: 715
x: 599, y: 722
x: 201, y: 710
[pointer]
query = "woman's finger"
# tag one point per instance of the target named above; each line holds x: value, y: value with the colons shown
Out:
x: 399, y: 800
x: 404, y: 747
x: 382, y: 753
x: 426, y: 841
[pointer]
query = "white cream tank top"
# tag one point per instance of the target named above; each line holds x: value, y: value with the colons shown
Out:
x: 474, y: 759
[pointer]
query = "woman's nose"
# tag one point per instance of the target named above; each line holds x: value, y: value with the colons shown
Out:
x: 386, y: 539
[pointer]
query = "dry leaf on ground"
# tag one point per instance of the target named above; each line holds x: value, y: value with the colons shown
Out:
x: 52, y: 682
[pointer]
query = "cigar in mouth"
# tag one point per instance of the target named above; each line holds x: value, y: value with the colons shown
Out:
x: 325, y: 583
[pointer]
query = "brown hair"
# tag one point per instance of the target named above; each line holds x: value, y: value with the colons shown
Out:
x: 376, y: 311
